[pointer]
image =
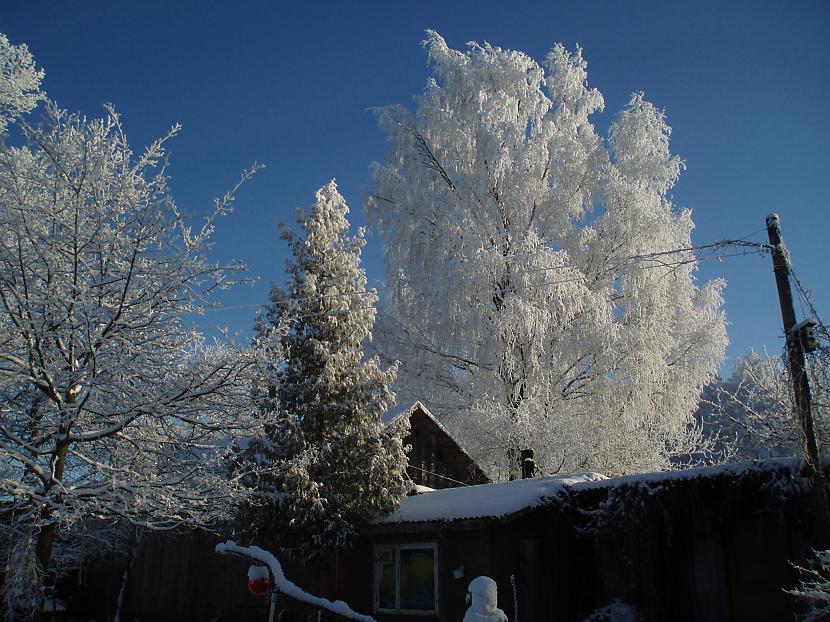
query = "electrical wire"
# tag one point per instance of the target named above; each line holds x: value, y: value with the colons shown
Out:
x: 712, y: 248
x: 449, y: 479
x: 805, y: 298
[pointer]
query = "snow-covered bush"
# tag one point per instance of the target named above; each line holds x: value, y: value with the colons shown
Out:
x: 813, y: 590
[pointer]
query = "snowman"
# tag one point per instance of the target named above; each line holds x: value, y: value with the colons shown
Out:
x: 482, y: 596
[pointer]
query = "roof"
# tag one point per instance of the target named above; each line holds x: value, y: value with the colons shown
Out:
x: 730, y: 469
x: 483, y: 501
x: 505, y: 499
x: 393, y: 414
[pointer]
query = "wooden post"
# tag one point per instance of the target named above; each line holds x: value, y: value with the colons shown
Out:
x: 800, y: 380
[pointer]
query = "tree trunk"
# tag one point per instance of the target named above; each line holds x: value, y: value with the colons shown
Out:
x: 125, y: 578
x: 46, y: 535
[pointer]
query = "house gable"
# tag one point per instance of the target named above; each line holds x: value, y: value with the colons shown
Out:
x: 435, y: 458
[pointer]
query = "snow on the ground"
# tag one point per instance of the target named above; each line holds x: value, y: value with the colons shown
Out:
x: 615, y: 611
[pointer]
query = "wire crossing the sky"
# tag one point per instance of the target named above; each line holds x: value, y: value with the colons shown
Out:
x: 643, y: 261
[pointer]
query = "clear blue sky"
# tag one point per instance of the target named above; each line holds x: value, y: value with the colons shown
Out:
x: 289, y: 84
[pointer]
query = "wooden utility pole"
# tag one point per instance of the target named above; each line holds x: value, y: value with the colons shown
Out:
x: 800, y: 381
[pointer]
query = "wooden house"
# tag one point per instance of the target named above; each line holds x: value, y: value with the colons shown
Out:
x: 701, y: 545
x: 706, y: 544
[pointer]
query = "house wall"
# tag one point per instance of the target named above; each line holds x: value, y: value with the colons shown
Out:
x: 471, y: 548
x: 179, y: 577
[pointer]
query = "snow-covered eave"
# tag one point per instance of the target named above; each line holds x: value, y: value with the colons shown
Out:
x: 431, y: 526
x: 471, y: 506
x: 454, y: 524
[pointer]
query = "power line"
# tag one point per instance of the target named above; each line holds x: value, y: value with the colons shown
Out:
x: 449, y: 479
x: 749, y: 248
x: 805, y: 298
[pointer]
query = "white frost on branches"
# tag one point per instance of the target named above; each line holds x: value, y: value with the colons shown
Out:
x: 112, y: 408
x: 284, y: 586
x: 752, y: 410
x: 19, y: 82
x: 813, y: 589
x: 526, y: 302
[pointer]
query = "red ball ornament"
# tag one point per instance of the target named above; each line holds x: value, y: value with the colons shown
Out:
x: 258, y: 580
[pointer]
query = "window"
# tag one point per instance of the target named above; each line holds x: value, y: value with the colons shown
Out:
x: 405, y: 578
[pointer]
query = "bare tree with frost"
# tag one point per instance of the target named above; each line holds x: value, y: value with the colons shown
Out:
x: 325, y: 466
x: 752, y: 409
x: 111, y: 407
x: 755, y: 406
x: 530, y: 301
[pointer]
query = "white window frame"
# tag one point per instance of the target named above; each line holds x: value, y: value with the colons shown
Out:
x: 376, y: 576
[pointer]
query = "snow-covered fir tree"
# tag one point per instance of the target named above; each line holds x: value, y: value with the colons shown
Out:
x: 539, y: 295
x: 326, y: 466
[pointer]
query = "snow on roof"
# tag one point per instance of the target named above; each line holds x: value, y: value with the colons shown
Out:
x: 417, y: 489
x: 482, y: 501
x: 734, y: 469
x: 393, y: 414
x: 504, y: 499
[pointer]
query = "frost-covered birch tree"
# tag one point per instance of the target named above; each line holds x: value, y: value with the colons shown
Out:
x: 530, y: 300
x: 326, y: 465
x: 112, y: 408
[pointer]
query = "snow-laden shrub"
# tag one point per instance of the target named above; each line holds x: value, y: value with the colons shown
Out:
x: 615, y: 611
x: 813, y: 590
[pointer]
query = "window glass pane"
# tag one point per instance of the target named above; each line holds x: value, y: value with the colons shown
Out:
x: 418, y: 579
x: 386, y: 579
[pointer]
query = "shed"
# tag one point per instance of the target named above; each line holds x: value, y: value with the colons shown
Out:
x: 704, y: 544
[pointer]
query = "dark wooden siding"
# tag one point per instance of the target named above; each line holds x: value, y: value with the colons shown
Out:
x: 435, y: 459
